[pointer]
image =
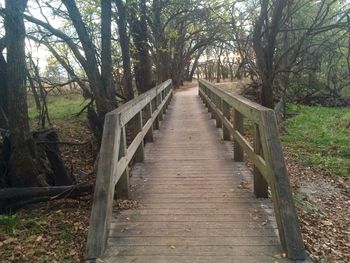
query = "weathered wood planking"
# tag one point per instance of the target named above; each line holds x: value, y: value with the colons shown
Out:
x: 267, y: 156
x: 195, y: 203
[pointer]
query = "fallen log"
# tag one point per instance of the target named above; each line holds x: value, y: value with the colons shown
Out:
x: 52, y: 192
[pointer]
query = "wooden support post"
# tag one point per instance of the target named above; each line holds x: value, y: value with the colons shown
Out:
x: 154, y: 107
x: 104, y: 188
x: 136, y: 123
x: 227, y: 114
x: 208, y: 104
x: 260, y: 184
x: 166, y: 103
x: 148, y: 115
x: 238, y: 125
x: 160, y: 99
x: 122, y: 186
x: 219, y: 106
x: 286, y: 215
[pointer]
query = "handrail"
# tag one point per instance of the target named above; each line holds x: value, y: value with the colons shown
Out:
x: 266, y: 154
x: 143, y: 113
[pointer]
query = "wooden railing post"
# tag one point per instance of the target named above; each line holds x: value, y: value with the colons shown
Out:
x: 210, y: 110
x: 122, y: 186
x: 164, y: 92
x: 227, y: 114
x: 218, y: 103
x: 260, y: 184
x: 136, y: 123
x: 286, y: 215
x: 160, y: 99
x: 104, y: 188
x: 154, y: 107
x: 238, y: 126
x: 148, y: 115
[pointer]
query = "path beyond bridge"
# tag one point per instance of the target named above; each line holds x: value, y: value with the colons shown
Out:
x: 195, y: 203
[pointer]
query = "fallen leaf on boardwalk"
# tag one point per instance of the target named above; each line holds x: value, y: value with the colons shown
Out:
x: 264, y: 223
x: 243, y: 185
x: 172, y: 247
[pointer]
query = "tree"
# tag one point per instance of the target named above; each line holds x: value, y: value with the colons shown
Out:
x: 98, y: 71
x: 22, y: 159
x: 141, y: 56
x: 125, y: 47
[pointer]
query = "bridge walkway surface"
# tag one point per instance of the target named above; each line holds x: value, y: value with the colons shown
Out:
x: 195, y: 203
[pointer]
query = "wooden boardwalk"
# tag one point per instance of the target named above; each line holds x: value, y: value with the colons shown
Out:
x: 196, y: 204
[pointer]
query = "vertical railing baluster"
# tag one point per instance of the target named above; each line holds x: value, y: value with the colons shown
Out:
x: 154, y: 108
x: 260, y: 184
x: 137, y: 125
x: 160, y: 99
x: 122, y: 186
x: 148, y: 116
x: 238, y: 125
x: 226, y: 110
x: 218, y: 106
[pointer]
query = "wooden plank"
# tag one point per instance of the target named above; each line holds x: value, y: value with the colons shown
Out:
x: 191, y: 259
x: 104, y: 189
x: 196, y: 232
x: 195, y: 241
x: 152, y: 250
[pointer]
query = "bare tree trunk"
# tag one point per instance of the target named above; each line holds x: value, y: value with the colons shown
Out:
x: 264, y: 43
x: 195, y: 64
x: 101, y: 83
x: 124, y: 44
x: 106, y: 51
x: 3, y: 88
x: 22, y: 165
x: 143, y: 66
x: 160, y: 42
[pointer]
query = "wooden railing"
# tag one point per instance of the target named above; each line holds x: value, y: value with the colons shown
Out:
x: 142, y: 114
x: 266, y: 155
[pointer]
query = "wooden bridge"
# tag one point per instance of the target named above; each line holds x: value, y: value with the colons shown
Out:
x: 198, y: 201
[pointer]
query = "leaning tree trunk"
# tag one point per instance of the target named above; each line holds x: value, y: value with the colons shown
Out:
x: 22, y: 165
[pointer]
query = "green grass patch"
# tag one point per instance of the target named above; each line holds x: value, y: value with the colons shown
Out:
x: 320, y: 136
x: 61, y: 107
x: 8, y: 223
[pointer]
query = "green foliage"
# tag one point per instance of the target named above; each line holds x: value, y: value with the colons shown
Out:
x: 8, y: 223
x: 301, y: 201
x: 320, y: 136
x: 61, y: 107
